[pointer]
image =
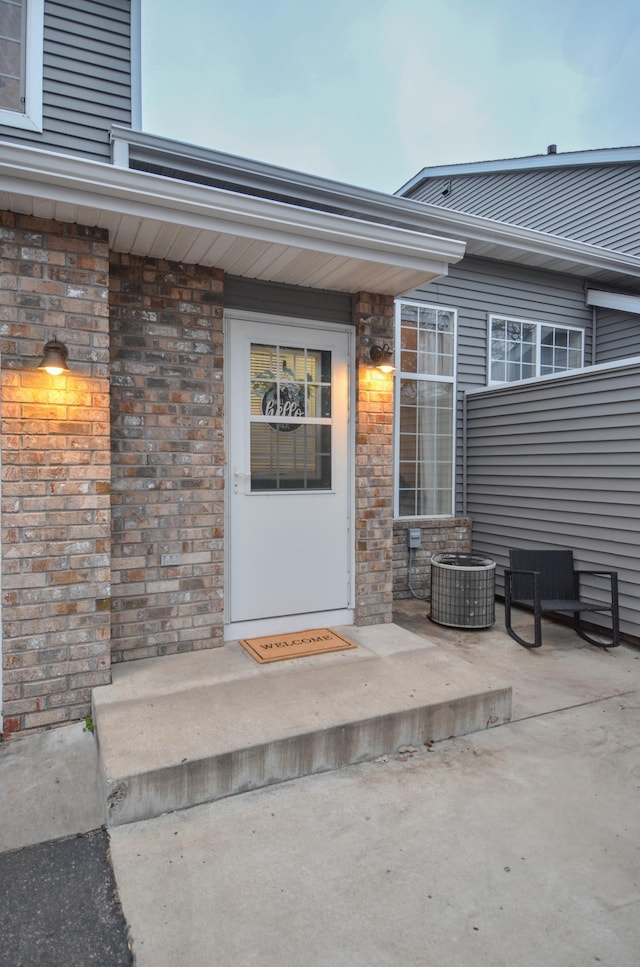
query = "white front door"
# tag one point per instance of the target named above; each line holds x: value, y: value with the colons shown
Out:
x: 289, y: 536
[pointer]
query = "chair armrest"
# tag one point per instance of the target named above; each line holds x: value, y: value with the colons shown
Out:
x: 508, y: 578
x: 601, y: 573
x: 612, y: 575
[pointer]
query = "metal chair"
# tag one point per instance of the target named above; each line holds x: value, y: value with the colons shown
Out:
x: 546, y: 581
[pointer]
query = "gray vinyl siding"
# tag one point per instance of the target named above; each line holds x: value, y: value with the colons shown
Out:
x: 556, y: 464
x: 477, y: 288
x: 87, y: 77
x: 293, y: 301
x: 617, y: 335
x: 598, y: 204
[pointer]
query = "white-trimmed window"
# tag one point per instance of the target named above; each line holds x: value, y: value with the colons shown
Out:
x: 522, y: 349
x: 21, y: 45
x: 425, y: 409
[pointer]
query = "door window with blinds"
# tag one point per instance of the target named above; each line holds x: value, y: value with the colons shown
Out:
x: 425, y: 410
x: 290, y: 416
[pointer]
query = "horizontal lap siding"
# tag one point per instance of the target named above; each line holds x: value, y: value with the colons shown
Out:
x: 288, y: 300
x: 557, y: 464
x: 599, y: 204
x: 478, y: 287
x: 618, y: 335
x: 87, y: 83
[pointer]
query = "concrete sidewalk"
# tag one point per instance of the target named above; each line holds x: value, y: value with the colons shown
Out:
x: 49, y: 787
x: 514, y: 846
x: 509, y: 848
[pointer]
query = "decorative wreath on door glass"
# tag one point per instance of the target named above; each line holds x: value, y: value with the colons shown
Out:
x: 288, y: 401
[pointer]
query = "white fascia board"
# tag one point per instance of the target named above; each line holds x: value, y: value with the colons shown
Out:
x: 516, y: 243
x: 613, y: 300
x: 119, y: 189
x: 108, y: 188
x: 568, y: 159
x: 402, y: 212
x: 475, y: 228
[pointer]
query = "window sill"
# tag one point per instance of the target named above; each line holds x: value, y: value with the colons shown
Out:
x: 23, y: 122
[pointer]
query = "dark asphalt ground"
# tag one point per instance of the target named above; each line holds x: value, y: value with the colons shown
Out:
x: 59, y: 906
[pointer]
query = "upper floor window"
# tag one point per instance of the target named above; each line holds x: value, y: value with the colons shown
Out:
x: 21, y: 39
x: 521, y: 349
x: 425, y: 410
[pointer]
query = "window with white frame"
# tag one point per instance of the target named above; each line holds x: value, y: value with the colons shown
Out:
x: 522, y: 349
x: 425, y: 410
x: 21, y: 39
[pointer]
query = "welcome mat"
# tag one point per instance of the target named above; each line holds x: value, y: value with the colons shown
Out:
x: 301, y: 644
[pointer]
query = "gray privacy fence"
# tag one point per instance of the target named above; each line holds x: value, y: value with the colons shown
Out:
x: 556, y: 463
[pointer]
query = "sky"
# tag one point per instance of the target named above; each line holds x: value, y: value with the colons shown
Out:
x: 369, y: 92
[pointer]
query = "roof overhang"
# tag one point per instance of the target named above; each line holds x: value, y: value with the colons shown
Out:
x: 483, y: 237
x: 276, y: 225
x: 151, y: 215
x: 489, y: 239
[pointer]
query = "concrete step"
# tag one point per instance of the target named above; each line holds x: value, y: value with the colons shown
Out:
x: 186, y: 729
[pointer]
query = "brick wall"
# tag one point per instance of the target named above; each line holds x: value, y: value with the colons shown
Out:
x: 437, y: 535
x: 374, y: 317
x: 55, y: 472
x: 113, y: 475
x: 168, y: 457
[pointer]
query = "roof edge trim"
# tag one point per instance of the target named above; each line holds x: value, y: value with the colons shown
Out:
x: 64, y: 176
x: 567, y: 159
x: 614, y: 300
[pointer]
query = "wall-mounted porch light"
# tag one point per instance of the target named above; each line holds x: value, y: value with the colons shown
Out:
x: 382, y: 358
x: 54, y: 360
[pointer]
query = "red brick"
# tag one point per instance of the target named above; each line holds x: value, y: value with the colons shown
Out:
x: 54, y: 430
x: 374, y: 464
x: 11, y: 725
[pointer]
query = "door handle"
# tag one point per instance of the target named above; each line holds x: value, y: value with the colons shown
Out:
x: 239, y: 475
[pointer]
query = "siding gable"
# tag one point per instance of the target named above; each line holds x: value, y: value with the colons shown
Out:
x: 597, y: 204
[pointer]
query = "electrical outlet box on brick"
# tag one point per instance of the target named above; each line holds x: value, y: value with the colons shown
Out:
x: 415, y: 537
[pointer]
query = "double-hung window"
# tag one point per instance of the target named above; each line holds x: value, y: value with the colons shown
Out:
x: 425, y: 410
x: 521, y: 349
x: 21, y: 40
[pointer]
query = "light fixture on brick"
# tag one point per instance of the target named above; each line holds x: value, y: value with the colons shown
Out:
x: 382, y: 358
x: 54, y: 360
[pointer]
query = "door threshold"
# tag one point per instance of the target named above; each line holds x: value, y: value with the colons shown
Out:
x: 286, y: 623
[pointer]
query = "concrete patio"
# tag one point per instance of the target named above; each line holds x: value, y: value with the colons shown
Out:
x: 511, y: 845
x: 178, y: 731
x: 36, y: 772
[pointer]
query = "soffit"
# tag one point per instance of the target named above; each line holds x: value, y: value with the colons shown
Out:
x: 149, y: 215
x: 335, y: 236
x: 483, y: 237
